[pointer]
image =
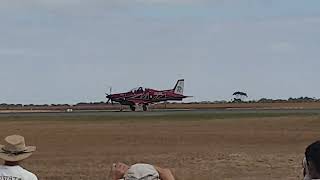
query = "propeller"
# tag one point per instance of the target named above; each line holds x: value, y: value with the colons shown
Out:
x: 109, y: 96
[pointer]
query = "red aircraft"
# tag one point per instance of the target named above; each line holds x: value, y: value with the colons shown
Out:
x: 143, y: 96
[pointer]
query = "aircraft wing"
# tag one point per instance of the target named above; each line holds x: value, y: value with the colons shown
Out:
x: 138, y: 101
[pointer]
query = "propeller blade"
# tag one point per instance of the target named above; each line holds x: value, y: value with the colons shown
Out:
x: 108, y: 101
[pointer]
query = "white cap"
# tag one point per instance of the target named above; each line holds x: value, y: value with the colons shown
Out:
x: 142, y: 172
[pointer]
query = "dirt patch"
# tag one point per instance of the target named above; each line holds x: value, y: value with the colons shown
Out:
x: 264, y: 148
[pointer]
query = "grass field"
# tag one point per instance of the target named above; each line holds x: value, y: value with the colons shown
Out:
x: 200, y: 145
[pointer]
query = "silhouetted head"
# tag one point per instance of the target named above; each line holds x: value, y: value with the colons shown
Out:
x: 312, y: 156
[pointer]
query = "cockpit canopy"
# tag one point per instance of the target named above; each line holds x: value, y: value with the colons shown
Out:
x: 137, y: 90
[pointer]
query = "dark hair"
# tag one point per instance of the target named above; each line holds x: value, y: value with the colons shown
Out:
x: 313, y: 155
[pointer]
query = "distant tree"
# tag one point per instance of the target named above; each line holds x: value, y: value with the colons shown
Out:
x: 239, y: 96
x: 302, y: 99
x: 28, y: 105
x: 265, y: 100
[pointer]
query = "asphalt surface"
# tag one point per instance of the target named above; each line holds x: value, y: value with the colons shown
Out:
x: 165, y: 112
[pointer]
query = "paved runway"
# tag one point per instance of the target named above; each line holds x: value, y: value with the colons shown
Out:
x: 171, y: 112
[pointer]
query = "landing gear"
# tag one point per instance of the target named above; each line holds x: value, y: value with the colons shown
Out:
x: 133, y: 108
x: 145, y: 107
x: 139, y: 107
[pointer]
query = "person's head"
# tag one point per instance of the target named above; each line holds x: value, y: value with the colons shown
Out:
x: 15, y: 150
x: 121, y: 171
x: 142, y: 172
x: 312, y: 155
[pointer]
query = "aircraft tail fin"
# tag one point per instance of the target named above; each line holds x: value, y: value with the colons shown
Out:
x: 178, y: 88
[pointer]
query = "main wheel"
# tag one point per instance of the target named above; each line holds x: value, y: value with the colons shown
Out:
x: 132, y: 108
x: 145, y: 107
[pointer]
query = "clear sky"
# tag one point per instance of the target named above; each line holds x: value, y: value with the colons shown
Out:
x: 69, y: 51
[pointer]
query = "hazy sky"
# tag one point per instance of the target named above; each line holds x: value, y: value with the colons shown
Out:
x: 68, y: 51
